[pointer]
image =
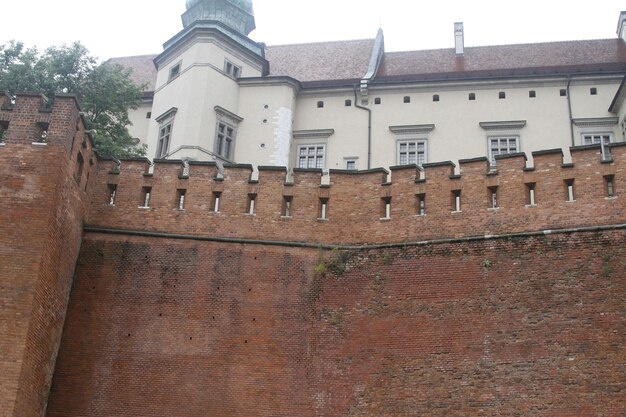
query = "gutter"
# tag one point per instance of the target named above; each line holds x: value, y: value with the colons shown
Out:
x: 569, y: 107
x: 369, y: 126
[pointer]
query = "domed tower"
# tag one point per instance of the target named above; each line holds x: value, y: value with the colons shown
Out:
x: 235, y: 14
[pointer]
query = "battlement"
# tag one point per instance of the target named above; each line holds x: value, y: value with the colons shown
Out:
x: 418, y: 204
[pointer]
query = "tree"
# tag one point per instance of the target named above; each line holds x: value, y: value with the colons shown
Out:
x: 105, y: 92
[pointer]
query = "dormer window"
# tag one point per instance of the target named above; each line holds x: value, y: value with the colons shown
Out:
x: 231, y: 69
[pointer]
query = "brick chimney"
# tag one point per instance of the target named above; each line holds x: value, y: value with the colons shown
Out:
x: 458, y: 38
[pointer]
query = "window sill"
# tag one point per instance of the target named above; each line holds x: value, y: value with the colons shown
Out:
x: 530, y: 205
x: 420, y: 215
x: 40, y: 143
x: 249, y: 214
x: 322, y: 220
x: 215, y: 212
x: 2, y: 144
x: 286, y: 217
x: 570, y: 201
x: 179, y: 209
x: 385, y: 219
x: 493, y: 209
x: 611, y: 198
x: 144, y: 207
x: 456, y: 212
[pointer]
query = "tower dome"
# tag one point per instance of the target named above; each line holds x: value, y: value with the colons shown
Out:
x: 236, y: 14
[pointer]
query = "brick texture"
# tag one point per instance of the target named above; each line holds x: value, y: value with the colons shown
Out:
x: 515, y: 327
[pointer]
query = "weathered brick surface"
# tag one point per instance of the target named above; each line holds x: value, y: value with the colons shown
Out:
x: 41, y: 213
x: 511, y: 327
x: 355, y: 201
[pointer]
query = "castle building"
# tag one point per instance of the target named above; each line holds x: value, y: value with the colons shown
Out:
x: 214, y: 94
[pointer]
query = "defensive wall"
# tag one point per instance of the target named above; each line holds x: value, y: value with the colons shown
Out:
x: 364, y: 208
x: 43, y: 200
x: 497, y: 291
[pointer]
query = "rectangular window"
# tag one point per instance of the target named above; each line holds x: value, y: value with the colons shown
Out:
x: 609, y: 185
x: 287, y: 206
x: 224, y: 140
x: 411, y: 152
x: 216, y: 202
x: 456, y: 200
x: 386, y: 208
x: 569, y: 190
x: 112, y: 193
x: 4, y: 128
x: 174, y: 72
x: 421, y: 204
x: 595, y: 138
x: 146, y: 193
x: 251, y: 206
x: 165, y: 134
x: 502, y: 146
x: 232, y: 69
x: 531, y: 197
x: 180, y: 199
x: 311, y: 156
x: 41, y: 133
x: 323, y: 209
x: 493, y: 197
x: 351, y: 165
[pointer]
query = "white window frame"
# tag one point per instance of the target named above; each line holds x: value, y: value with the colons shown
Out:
x: 319, y: 162
x: 598, y: 135
x: 417, y: 143
x: 166, y: 128
x: 408, y: 135
x: 502, y: 150
x: 312, y: 139
x: 225, y: 140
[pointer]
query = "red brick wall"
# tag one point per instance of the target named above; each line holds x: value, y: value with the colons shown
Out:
x: 526, y: 326
x: 41, y: 216
x: 355, y: 201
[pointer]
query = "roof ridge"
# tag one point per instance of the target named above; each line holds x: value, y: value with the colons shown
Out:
x: 321, y: 42
x: 132, y: 56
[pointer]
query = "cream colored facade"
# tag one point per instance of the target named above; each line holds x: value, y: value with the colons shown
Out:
x: 211, y: 79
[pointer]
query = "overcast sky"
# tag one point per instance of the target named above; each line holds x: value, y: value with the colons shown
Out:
x: 112, y: 28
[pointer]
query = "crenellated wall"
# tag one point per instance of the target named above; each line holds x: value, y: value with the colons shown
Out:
x: 44, y: 196
x: 356, y: 211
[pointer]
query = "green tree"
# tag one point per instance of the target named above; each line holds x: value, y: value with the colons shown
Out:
x: 105, y: 92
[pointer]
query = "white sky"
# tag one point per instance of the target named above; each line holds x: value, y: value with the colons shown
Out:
x: 110, y: 28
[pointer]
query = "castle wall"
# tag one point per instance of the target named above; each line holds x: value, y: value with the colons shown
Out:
x: 42, y: 205
x: 529, y: 326
x: 356, y: 210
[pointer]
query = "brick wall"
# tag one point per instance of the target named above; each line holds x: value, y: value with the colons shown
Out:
x: 356, y: 201
x: 42, y: 206
x: 527, y: 326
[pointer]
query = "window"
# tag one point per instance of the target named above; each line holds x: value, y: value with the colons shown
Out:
x: 351, y: 165
x: 593, y: 91
x: 180, y: 199
x: 166, y: 123
x: 501, y: 146
x: 348, y: 103
x: 165, y: 135
x: 112, y: 193
x: 501, y: 95
x: 407, y: 99
x: 146, y: 192
x: 174, y: 71
x: 609, y: 185
x: 320, y: 104
x: 311, y: 156
x: 411, y: 152
x: 41, y: 133
x: 532, y: 94
x: 377, y: 100
x: 456, y: 201
x: 569, y: 190
x: 421, y: 204
x: 323, y: 209
x: 493, y: 197
x: 251, y: 206
x: 232, y: 69
x: 148, y: 115
x: 4, y: 128
x: 215, y: 202
x: 224, y: 140
x: 436, y: 97
x: 563, y: 92
x: 472, y: 96
x: 386, y: 208
x: 287, y: 204
x: 595, y: 138
x: 531, y: 194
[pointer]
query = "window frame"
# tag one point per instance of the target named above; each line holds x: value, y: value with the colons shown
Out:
x: 220, y: 145
x: 165, y: 120
x: 594, y: 134
x: 490, y: 138
x: 231, y: 69
x: 174, y: 71
x: 307, y: 146
x: 417, y: 142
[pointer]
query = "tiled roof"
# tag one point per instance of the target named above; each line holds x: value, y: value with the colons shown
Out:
x: 526, y: 59
x: 144, y: 71
x: 324, y: 61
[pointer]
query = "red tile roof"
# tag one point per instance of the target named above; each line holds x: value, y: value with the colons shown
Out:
x: 323, y: 61
x: 526, y: 59
x: 144, y: 71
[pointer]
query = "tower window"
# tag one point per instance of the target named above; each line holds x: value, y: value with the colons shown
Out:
x: 224, y: 140
x: 231, y: 69
x: 174, y: 71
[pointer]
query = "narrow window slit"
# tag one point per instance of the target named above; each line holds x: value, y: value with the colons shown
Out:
x: 493, y: 197
x: 180, y: 198
x: 215, y: 203
x: 112, y: 193
x: 421, y: 204
x: 456, y: 200
x: 251, y: 203
x: 609, y: 185
x: 386, y: 207
x: 530, y: 194
x: 146, y: 193
x: 569, y: 190
x: 287, y: 203
x: 323, y: 209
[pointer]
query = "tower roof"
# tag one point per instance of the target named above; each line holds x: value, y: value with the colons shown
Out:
x: 235, y: 14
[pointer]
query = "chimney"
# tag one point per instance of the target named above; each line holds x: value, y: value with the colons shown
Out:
x: 621, y: 26
x: 458, y: 38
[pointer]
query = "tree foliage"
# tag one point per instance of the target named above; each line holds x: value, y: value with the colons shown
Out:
x: 105, y: 92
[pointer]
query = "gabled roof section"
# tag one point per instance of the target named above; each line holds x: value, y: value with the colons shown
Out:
x: 144, y: 70
x: 506, y: 60
x: 323, y: 61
